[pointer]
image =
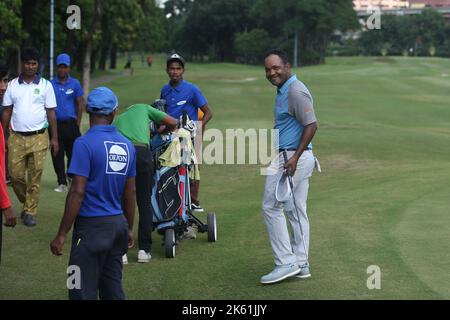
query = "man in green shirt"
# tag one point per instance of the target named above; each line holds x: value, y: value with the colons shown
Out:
x: 134, y: 125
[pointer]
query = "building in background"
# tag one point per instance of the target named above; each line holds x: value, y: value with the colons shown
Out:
x: 429, y: 3
x: 399, y: 4
x: 382, y: 4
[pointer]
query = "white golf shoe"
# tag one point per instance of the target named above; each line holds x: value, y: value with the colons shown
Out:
x: 61, y: 188
x: 144, y: 257
x: 280, y: 273
x: 304, y: 272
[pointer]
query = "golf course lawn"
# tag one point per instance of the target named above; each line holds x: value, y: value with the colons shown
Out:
x: 382, y: 197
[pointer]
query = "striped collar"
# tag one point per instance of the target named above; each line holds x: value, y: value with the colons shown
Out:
x: 36, y: 80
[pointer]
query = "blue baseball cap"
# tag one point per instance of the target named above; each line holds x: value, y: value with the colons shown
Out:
x: 102, y: 100
x: 63, y: 58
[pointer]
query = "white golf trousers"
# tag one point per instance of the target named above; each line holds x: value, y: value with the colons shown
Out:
x: 288, y: 249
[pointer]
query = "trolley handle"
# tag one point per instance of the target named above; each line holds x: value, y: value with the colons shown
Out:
x: 184, y: 118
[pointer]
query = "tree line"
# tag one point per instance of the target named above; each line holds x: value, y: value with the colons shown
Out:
x: 425, y: 34
x: 107, y: 28
x: 242, y: 30
x: 213, y: 30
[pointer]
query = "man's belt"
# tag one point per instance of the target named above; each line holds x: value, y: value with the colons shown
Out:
x: 288, y: 149
x: 67, y: 120
x: 291, y: 149
x: 30, y: 133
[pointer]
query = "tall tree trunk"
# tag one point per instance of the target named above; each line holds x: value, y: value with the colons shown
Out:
x: 113, y: 57
x: 93, y: 59
x: 103, y: 57
x: 323, y: 49
x: 12, y: 58
x: 70, y: 48
x: 86, y: 78
x: 296, y: 49
x: 80, y: 59
x: 19, y: 64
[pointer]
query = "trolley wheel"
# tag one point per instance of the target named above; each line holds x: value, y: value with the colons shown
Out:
x: 169, y: 243
x: 212, y: 227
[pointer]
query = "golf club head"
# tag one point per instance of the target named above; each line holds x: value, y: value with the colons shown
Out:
x: 160, y: 104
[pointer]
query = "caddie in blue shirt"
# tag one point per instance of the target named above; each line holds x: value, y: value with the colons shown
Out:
x: 180, y: 96
x: 101, y: 201
x: 296, y: 123
x: 69, y: 99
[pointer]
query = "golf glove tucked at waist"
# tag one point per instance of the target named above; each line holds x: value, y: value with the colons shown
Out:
x: 317, y: 165
x: 283, y: 191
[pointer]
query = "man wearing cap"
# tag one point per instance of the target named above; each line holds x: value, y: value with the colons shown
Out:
x: 69, y: 98
x: 101, y: 201
x: 296, y: 123
x: 134, y: 123
x: 182, y: 96
x: 30, y: 106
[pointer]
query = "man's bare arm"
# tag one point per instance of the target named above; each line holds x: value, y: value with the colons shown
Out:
x: 73, y: 204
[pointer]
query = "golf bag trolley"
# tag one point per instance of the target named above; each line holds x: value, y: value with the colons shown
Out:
x: 171, y: 197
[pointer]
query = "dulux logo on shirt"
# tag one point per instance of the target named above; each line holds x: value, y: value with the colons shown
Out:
x: 117, y: 154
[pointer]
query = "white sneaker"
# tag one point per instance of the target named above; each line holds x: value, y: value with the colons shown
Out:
x: 124, y: 259
x: 197, y: 207
x: 143, y: 256
x: 61, y: 188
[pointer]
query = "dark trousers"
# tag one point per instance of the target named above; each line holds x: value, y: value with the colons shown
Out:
x: 98, y: 244
x: 144, y: 184
x: 194, y: 188
x: 68, y: 132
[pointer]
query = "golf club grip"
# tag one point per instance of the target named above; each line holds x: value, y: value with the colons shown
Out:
x: 184, y: 118
x: 287, y: 169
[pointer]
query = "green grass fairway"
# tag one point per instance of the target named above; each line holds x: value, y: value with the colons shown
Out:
x: 382, y: 198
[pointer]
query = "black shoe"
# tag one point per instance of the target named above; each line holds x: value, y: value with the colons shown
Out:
x: 29, y: 220
x: 22, y: 215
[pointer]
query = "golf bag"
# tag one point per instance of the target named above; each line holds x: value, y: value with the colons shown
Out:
x: 170, y: 197
x: 174, y: 161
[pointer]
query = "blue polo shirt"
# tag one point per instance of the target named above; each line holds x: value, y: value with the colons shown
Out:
x: 293, y: 111
x: 66, y: 97
x: 184, y: 97
x: 107, y: 159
